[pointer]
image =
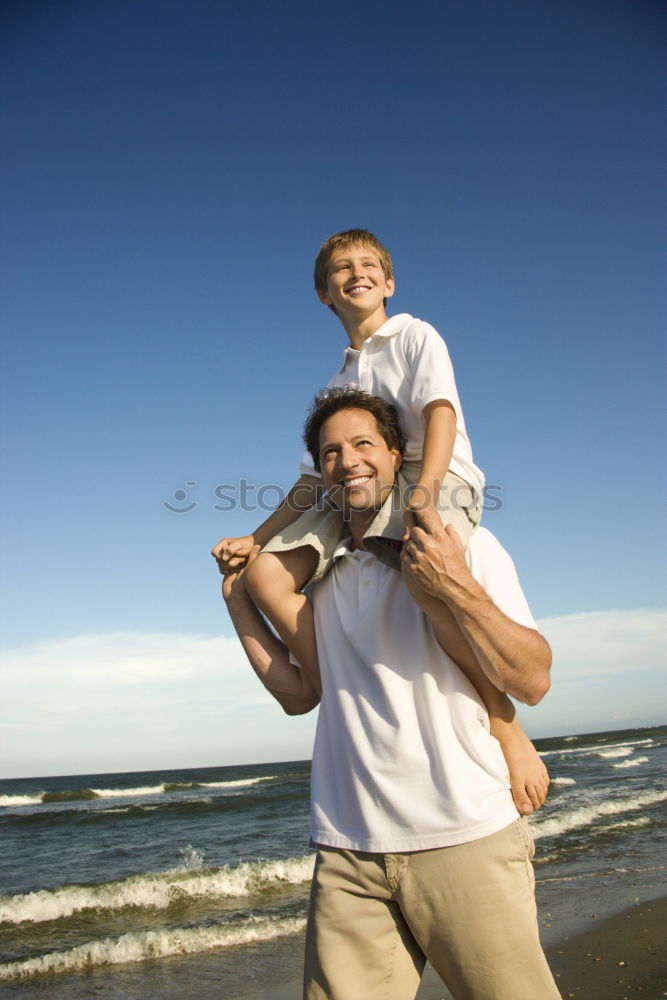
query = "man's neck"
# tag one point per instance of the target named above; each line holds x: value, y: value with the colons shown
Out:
x: 360, y: 522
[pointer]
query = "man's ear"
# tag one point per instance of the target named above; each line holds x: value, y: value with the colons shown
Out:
x: 397, y: 458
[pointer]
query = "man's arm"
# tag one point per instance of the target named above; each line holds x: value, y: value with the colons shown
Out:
x: 515, y: 659
x: 268, y: 656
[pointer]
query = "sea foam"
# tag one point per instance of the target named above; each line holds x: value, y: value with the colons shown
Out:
x: 598, y: 748
x: 155, y: 891
x: 139, y: 946
x: 635, y: 762
x: 7, y: 801
x: 577, y: 818
x: 67, y: 795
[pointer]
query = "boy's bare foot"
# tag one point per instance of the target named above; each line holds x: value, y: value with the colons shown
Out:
x: 529, y: 778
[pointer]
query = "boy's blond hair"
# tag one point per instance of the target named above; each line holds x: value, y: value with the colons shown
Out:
x: 343, y: 241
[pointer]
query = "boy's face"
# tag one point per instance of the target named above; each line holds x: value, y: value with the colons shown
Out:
x: 358, y: 468
x: 356, y: 284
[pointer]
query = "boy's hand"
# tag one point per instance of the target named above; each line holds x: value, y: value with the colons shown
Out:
x: 416, y: 508
x: 231, y: 554
x: 233, y: 584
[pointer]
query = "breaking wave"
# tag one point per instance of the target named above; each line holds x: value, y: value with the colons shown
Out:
x: 156, y: 891
x: 141, y: 945
x: 575, y: 819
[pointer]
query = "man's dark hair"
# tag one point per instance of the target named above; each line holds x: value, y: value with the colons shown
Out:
x: 331, y: 401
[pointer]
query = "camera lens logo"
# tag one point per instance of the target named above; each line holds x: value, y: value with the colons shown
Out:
x: 180, y: 496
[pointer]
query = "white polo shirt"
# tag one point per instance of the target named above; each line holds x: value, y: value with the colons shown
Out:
x: 407, y: 363
x: 403, y: 757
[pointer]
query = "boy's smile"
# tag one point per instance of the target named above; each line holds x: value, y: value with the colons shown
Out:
x: 356, y: 284
x: 358, y: 468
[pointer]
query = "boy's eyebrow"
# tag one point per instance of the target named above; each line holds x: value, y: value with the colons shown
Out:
x: 346, y: 256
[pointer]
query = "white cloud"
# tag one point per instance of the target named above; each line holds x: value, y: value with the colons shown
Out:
x: 608, y: 672
x: 132, y: 700
x: 606, y: 643
x: 118, y: 659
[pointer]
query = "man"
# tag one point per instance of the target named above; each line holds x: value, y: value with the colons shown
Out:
x: 420, y: 851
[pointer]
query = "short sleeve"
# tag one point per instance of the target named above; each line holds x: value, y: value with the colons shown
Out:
x: 492, y: 567
x: 431, y: 370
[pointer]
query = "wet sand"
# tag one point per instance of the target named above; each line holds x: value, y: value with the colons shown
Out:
x: 623, y: 957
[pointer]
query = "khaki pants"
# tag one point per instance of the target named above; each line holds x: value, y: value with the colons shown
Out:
x: 470, y: 910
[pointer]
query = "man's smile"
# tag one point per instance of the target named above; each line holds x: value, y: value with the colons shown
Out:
x: 356, y: 480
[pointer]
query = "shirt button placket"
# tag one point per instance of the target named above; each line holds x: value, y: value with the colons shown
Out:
x: 364, y: 370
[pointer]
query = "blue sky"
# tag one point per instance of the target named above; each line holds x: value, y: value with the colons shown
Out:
x: 170, y: 170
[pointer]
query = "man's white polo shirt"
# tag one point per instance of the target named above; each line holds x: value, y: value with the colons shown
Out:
x: 403, y: 757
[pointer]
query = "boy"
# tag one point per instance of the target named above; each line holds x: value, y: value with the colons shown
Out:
x: 406, y: 362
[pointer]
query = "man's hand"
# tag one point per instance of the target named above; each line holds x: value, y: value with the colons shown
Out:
x: 433, y: 557
x: 231, y: 554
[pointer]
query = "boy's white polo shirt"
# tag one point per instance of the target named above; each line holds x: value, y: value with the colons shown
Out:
x: 403, y: 758
x: 406, y: 362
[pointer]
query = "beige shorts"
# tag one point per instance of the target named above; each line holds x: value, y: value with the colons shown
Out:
x: 470, y: 910
x: 322, y: 527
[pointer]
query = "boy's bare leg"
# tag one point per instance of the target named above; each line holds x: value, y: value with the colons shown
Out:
x: 274, y: 581
x: 529, y: 778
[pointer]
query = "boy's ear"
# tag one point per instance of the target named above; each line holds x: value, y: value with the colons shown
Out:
x: 390, y: 286
x: 323, y: 297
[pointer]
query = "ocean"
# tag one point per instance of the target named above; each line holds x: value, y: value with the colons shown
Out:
x: 194, y: 883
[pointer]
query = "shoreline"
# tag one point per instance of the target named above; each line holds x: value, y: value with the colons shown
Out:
x: 616, y: 958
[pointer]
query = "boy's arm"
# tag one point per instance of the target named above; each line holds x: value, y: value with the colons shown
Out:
x: 231, y: 553
x: 268, y: 656
x: 439, y: 436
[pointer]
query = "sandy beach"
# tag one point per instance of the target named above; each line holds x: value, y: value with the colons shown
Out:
x: 618, y: 959
x: 623, y: 957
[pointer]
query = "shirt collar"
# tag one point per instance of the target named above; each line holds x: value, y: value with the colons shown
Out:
x: 389, y: 328
x: 342, y: 549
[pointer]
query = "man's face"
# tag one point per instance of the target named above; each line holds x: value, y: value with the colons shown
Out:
x: 358, y: 468
x: 356, y: 284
